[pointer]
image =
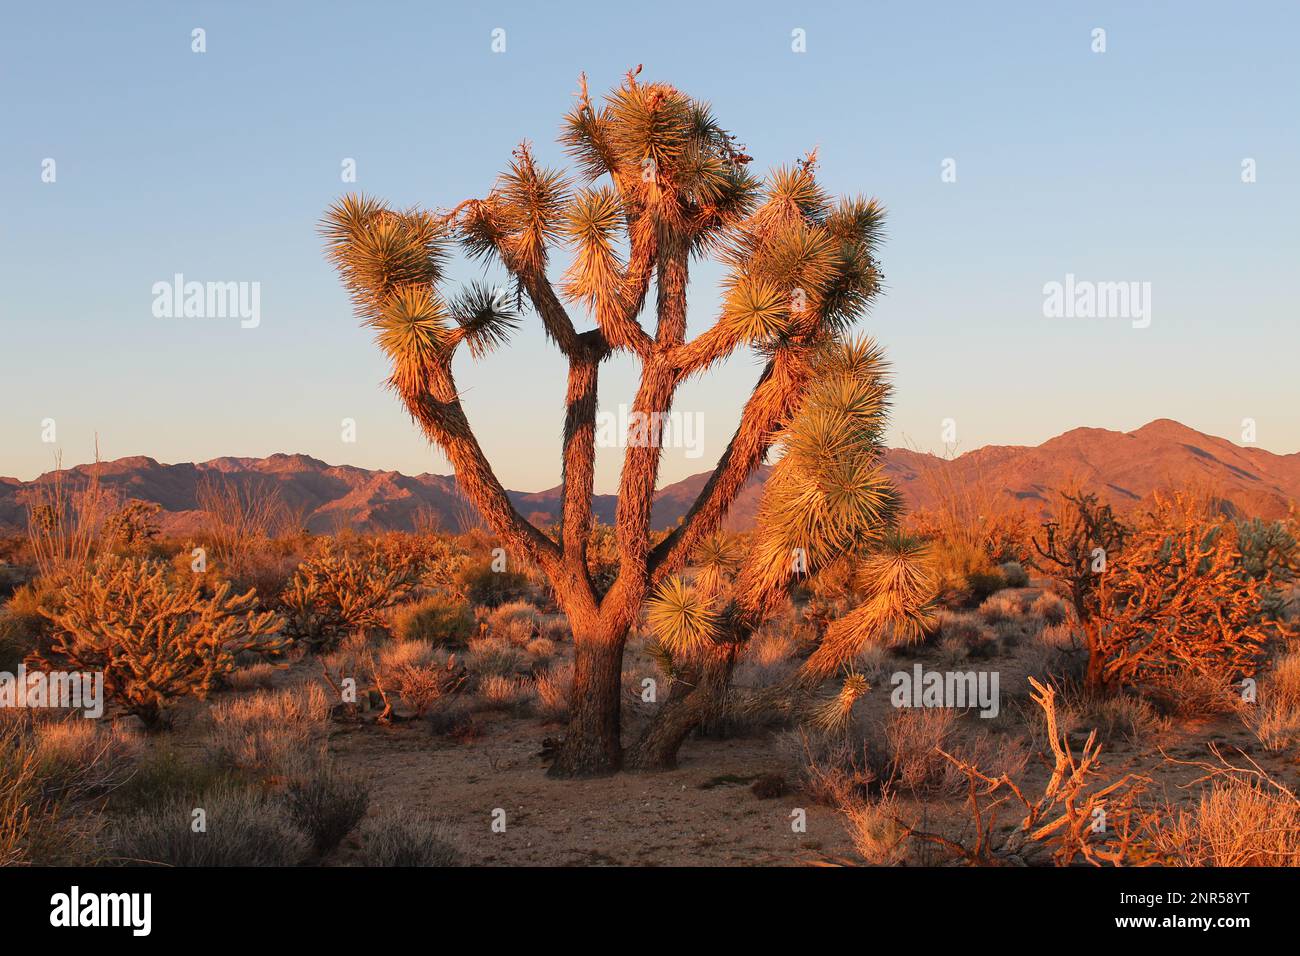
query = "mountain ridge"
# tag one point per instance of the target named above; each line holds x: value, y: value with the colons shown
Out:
x: 1124, y: 467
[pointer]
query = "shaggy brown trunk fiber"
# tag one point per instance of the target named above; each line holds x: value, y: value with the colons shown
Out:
x: 593, y: 745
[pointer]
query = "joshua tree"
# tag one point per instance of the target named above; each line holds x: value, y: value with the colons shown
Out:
x: 659, y: 182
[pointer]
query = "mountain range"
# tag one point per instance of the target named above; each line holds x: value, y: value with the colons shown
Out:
x: 1123, y: 467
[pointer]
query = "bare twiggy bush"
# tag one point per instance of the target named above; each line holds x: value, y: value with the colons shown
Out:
x: 64, y: 523
x: 395, y: 837
x: 916, y: 743
x: 155, y: 639
x: 242, y: 827
x: 241, y: 517
x: 1074, y: 818
x: 832, y: 768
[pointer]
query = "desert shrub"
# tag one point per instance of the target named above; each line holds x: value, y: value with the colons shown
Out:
x: 501, y: 691
x: 269, y: 731
x: 1240, y: 819
x: 401, y: 838
x: 1119, y: 717
x: 337, y: 590
x: 1002, y: 607
x: 483, y: 585
x: 875, y: 830
x: 517, y: 622
x: 1014, y: 574
x: 981, y: 584
x: 1275, y: 718
x: 493, y: 656
x: 154, y: 639
x: 831, y: 768
x: 243, y: 827
x: 1056, y: 653
x: 553, y: 687
x: 540, y: 648
x: 438, y: 620
x: 965, y: 635
x: 162, y: 774
x: 326, y: 805
x: 916, y: 740
x: 1050, y: 608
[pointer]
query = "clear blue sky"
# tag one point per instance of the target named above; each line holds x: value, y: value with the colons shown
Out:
x: 1117, y: 166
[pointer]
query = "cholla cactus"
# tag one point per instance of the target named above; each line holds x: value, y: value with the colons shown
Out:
x: 155, y: 639
x: 660, y: 181
x: 335, y: 592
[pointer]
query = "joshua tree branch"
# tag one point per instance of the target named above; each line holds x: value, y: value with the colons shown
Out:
x: 580, y: 450
x: 442, y: 417
x: 774, y: 399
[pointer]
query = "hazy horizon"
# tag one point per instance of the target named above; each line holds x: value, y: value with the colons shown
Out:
x: 1122, y: 166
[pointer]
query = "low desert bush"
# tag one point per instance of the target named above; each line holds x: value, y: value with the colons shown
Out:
x: 397, y: 837
x: 153, y: 638
x: 437, y: 620
x: 269, y: 731
x: 497, y: 690
x: 241, y: 827
x: 1014, y: 574
x: 490, y: 588
x: 875, y: 830
x: 517, y: 622
x: 552, y: 687
x: 1050, y: 608
x: 493, y: 657
x: 916, y: 740
x: 1242, y: 818
x: 326, y: 805
x: 1275, y: 718
x: 831, y: 768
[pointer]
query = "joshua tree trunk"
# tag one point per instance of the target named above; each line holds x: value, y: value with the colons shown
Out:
x: 687, y: 707
x: 593, y: 744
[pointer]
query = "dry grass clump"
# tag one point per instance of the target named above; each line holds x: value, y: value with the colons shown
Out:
x: 1195, y: 694
x: 1003, y: 606
x: 1243, y: 818
x: 269, y: 731
x: 1275, y: 718
x: 240, y: 827
x: 396, y: 837
x: 257, y: 676
x: 553, y: 687
x: 876, y: 830
x: 78, y: 758
x: 497, y: 690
